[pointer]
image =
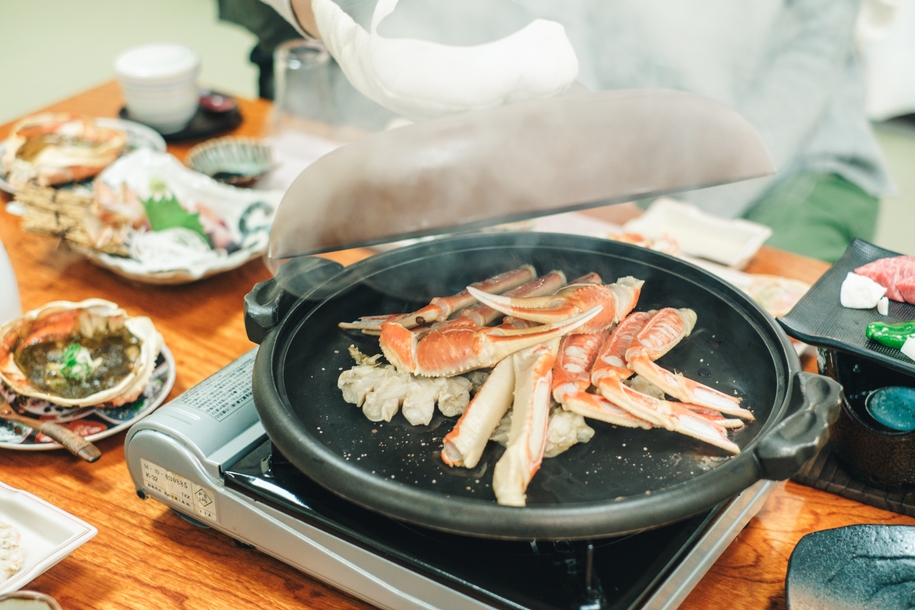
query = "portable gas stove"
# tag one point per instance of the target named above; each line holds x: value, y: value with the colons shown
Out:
x: 206, y: 456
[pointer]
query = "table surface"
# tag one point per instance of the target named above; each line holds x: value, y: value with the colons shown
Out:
x: 145, y: 556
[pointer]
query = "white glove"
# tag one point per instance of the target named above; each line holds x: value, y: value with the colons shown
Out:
x: 420, y: 79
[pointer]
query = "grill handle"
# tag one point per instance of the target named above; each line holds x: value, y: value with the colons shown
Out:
x: 815, y: 403
x: 269, y: 301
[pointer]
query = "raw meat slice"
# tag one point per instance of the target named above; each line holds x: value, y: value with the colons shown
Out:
x: 889, y: 272
x: 906, y: 288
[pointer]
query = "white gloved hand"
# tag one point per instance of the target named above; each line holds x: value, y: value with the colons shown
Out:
x: 420, y: 79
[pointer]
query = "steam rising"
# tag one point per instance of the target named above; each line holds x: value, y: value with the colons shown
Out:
x: 513, y: 162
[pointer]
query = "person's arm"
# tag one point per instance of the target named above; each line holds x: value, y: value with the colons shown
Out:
x: 299, y: 14
x: 301, y: 9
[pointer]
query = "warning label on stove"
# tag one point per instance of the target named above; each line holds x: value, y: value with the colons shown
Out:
x: 180, y: 490
x: 225, y: 391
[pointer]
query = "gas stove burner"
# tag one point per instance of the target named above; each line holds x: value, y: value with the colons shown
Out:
x: 206, y: 455
x: 603, y: 573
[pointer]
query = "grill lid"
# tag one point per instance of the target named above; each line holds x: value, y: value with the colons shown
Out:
x: 515, y: 162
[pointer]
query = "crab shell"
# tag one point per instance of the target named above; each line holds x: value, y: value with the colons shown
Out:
x: 92, y: 316
x: 75, y: 148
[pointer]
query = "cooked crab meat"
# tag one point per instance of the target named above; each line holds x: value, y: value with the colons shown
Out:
x: 454, y: 395
x: 442, y: 307
x: 661, y: 333
x: 572, y: 378
x: 530, y: 417
x: 89, y: 353
x: 381, y: 391
x: 616, y: 301
x: 464, y: 445
x: 358, y: 381
x: 453, y: 349
x: 51, y: 149
x: 564, y: 430
x: 419, y: 402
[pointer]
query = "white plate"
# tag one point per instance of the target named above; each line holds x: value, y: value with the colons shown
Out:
x: 138, y: 136
x: 729, y: 242
x: 48, y: 534
x: 135, y: 270
x: 110, y: 421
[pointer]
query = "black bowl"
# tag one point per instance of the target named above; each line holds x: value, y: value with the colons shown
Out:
x: 871, y: 452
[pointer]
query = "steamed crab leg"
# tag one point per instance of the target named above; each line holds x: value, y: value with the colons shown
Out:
x: 464, y: 445
x: 530, y: 418
x: 610, y: 371
x: 572, y: 378
x: 617, y: 300
x: 546, y: 284
x: 442, y: 307
x: 664, y: 330
x: 463, y: 346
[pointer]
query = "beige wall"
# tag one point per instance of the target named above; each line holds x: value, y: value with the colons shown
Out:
x: 51, y: 49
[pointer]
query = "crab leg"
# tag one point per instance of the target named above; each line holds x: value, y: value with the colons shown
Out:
x: 617, y: 299
x: 530, y: 418
x: 464, y: 445
x: 442, y: 307
x: 509, y: 321
x: 571, y: 380
x: 665, y: 329
x: 664, y: 414
x: 457, y: 348
x: 548, y: 283
x: 610, y: 371
x: 611, y: 357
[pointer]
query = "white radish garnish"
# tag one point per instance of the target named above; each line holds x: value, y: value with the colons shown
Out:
x: 883, y: 306
x: 859, y: 292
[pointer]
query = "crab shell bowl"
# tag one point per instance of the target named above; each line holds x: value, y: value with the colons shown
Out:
x: 89, y: 353
x: 56, y: 148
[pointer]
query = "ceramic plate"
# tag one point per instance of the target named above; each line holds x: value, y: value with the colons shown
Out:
x: 857, y: 566
x: 138, y: 136
x: 728, y: 242
x: 92, y: 423
x: 47, y: 534
x: 242, y: 217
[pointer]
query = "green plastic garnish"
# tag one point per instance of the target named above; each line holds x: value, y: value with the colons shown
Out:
x: 77, y: 363
x: 165, y: 212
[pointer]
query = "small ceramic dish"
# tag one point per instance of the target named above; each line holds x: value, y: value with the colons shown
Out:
x: 232, y: 160
x: 48, y: 534
x: 872, y: 451
x: 728, y: 242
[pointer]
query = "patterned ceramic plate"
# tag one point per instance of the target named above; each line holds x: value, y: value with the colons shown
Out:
x: 93, y: 423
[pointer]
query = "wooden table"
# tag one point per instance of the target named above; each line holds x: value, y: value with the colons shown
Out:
x: 144, y: 556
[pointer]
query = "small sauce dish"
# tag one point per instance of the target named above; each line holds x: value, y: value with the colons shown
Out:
x: 893, y: 407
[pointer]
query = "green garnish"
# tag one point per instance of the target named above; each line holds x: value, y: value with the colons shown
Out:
x: 165, y: 212
x: 890, y: 335
x: 77, y: 362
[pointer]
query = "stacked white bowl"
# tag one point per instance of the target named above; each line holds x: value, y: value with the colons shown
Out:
x: 159, y: 83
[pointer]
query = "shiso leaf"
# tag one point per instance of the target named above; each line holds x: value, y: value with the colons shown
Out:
x: 165, y: 211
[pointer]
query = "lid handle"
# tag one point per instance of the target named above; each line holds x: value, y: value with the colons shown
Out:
x: 269, y: 302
